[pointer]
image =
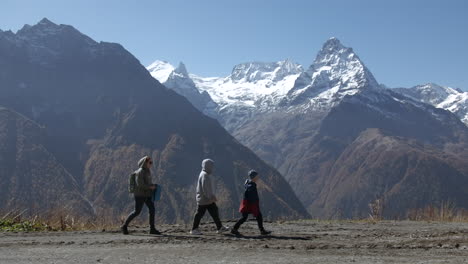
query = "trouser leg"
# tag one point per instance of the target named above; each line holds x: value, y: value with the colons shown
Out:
x: 152, y: 211
x: 241, y: 221
x: 139, y: 201
x: 214, y: 212
x: 201, y: 209
x: 260, y: 221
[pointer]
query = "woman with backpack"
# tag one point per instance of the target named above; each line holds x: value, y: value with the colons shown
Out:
x: 142, y: 188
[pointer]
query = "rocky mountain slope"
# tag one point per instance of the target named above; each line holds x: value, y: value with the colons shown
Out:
x: 101, y: 111
x: 32, y: 181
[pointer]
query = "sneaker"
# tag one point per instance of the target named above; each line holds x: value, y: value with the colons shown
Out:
x: 264, y: 232
x: 223, y: 229
x: 235, y: 232
x: 154, y: 231
x: 124, y: 230
x: 196, y: 232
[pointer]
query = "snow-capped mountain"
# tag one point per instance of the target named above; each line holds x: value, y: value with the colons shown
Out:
x: 251, y: 87
x: 247, y: 84
x: 453, y: 100
x: 259, y: 87
x: 340, y: 138
x: 178, y: 80
x: 264, y: 87
x: 336, y: 72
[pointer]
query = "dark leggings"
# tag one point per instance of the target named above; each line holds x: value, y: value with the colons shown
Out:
x: 244, y: 218
x: 212, y: 209
x: 139, y: 201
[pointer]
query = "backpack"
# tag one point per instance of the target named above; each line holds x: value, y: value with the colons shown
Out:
x: 132, y: 182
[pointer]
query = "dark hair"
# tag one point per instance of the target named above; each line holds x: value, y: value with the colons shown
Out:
x: 252, y: 174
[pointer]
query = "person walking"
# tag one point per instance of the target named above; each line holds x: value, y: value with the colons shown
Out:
x: 206, y: 199
x: 143, y: 190
x: 250, y: 205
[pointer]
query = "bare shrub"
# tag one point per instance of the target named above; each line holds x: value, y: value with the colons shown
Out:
x: 376, y: 209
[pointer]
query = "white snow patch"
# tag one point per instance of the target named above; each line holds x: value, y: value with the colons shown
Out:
x: 160, y: 70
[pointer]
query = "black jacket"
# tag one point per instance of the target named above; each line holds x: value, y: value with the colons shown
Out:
x: 251, y: 193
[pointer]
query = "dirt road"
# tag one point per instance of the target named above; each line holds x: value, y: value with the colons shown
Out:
x: 291, y: 242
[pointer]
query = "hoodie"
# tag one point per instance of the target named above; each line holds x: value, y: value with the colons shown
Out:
x: 205, y: 193
x: 143, y: 180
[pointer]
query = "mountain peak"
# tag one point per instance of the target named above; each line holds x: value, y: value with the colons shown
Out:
x: 45, y: 28
x: 333, y: 50
x: 46, y: 22
x: 341, y: 63
x: 43, y: 25
x: 332, y: 44
x: 182, y: 70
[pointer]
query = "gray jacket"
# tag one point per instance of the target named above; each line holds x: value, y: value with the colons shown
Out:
x: 143, y: 181
x: 205, y: 193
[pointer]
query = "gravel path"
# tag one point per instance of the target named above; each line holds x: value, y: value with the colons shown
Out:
x: 291, y: 242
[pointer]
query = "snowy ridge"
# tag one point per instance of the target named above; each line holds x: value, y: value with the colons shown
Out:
x: 457, y: 104
x: 336, y: 72
x: 453, y: 100
x: 251, y: 83
x: 259, y: 87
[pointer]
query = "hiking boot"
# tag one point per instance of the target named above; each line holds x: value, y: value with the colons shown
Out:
x: 154, y: 231
x: 124, y: 229
x: 235, y: 232
x: 196, y: 232
x: 264, y: 232
x: 222, y: 229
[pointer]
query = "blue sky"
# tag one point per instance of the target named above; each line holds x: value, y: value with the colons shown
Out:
x: 403, y: 43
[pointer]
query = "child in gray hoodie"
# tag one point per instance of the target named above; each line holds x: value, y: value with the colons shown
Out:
x: 206, y: 200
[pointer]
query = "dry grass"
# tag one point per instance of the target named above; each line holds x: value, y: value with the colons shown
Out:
x: 56, y: 220
x: 445, y: 212
x: 63, y: 220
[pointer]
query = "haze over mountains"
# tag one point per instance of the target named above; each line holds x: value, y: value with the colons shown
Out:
x: 79, y: 114
x: 340, y: 138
